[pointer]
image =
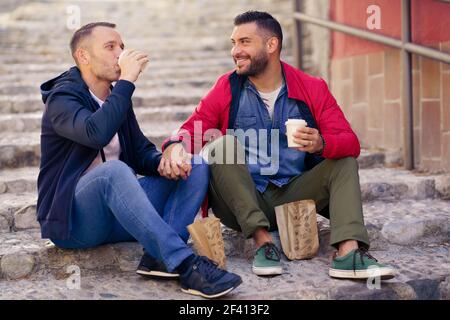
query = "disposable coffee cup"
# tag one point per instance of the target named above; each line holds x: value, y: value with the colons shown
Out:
x: 291, y: 126
x: 125, y: 51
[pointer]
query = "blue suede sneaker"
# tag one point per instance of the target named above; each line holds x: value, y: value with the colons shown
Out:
x: 150, y: 267
x: 204, y: 278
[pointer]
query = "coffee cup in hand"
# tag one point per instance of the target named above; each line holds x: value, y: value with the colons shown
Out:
x: 124, y: 52
x: 291, y: 127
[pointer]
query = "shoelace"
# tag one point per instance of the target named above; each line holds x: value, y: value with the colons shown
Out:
x: 271, y: 250
x: 361, y: 252
x: 208, y: 268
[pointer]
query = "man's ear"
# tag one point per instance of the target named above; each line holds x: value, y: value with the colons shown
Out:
x: 272, y: 44
x: 82, y: 56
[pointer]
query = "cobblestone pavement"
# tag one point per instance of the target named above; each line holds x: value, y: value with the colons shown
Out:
x: 426, y: 277
x: 423, y: 268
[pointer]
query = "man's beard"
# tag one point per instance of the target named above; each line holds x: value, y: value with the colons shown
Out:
x: 106, y: 72
x: 257, y: 65
x: 110, y: 75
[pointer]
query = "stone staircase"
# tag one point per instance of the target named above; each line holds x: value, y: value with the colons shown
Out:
x: 407, y: 213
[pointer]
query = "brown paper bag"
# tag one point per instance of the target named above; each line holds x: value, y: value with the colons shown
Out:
x: 207, y: 238
x: 297, y: 226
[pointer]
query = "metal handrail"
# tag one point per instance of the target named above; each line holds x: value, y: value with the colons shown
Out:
x: 389, y: 41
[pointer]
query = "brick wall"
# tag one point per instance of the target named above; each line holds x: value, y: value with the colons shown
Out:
x: 368, y: 89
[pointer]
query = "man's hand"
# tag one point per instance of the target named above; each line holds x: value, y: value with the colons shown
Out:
x: 131, y: 63
x: 175, y: 162
x: 310, y: 139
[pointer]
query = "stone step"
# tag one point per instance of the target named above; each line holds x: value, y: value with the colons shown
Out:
x: 36, y: 54
x: 371, y: 159
x: 169, y: 72
x: 161, y: 75
x: 18, y: 210
x: 154, y: 65
x: 302, y: 280
x: 153, y: 31
x: 212, y: 42
x: 158, y: 63
x: 9, y: 55
x: 27, y: 86
x: 385, y: 184
x: 177, y: 73
x: 421, y: 265
x: 162, y: 31
x: 21, y: 150
x: 164, y: 15
x: 152, y: 98
x: 19, y: 181
x: 394, y: 184
x: 22, y: 98
x: 31, y: 122
x: 30, y: 86
x: 214, y: 39
x: 18, y: 190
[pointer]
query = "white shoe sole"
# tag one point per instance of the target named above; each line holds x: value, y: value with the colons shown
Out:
x: 201, y: 294
x: 157, y: 274
x: 267, y: 271
x: 383, y: 273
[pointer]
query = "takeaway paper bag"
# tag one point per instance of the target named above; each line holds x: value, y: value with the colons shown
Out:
x: 297, y: 226
x: 207, y: 238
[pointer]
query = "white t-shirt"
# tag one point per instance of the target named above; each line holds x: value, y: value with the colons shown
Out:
x: 112, y: 150
x: 269, y: 99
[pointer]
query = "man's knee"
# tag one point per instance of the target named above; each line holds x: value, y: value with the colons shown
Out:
x: 347, y: 164
x: 116, y: 169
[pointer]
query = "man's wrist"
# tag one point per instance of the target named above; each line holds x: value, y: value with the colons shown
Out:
x: 170, y: 142
x: 126, y: 78
x: 320, y: 152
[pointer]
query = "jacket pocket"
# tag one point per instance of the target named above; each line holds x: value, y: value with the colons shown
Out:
x: 245, y: 122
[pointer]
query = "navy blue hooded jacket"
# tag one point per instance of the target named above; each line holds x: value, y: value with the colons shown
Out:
x: 74, y: 129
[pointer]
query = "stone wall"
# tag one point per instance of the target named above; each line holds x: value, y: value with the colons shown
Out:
x: 316, y: 40
x: 368, y: 89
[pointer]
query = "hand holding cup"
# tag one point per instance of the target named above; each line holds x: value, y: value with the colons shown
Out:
x: 303, y: 138
x: 132, y: 63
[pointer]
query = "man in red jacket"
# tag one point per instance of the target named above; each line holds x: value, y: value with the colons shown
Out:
x: 252, y: 168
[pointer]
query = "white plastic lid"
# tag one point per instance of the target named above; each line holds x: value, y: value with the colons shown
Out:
x: 296, y: 121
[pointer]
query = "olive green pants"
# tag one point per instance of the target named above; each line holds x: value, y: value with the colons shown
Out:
x: 332, y: 184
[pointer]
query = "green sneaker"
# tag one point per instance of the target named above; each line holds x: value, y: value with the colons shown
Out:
x: 359, y: 264
x: 267, y: 261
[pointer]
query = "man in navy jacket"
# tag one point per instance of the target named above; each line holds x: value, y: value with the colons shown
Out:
x: 92, y: 148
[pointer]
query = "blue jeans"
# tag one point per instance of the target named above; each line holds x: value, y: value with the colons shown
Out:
x: 112, y: 205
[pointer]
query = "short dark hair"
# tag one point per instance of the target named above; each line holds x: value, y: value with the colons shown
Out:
x: 85, y: 31
x: 263, y: 20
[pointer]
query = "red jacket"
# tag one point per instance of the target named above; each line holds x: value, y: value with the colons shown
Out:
x: 213, y: 112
